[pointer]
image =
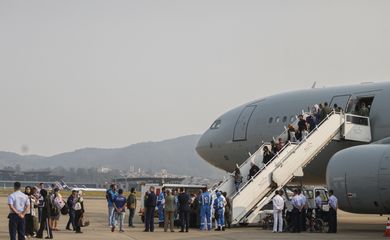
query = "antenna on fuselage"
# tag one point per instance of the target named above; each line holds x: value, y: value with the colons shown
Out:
x: 314, y: 84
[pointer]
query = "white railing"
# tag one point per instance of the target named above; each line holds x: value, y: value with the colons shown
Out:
x: 262, y: 186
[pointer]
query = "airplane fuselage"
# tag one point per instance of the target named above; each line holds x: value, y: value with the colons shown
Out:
x: 243, y: 129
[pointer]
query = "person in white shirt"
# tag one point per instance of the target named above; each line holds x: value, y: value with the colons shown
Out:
x: 332, y: 213
x: 19, y: 205
x: 296, y: 212
x: 278, y: 206
x: 318, y: 201
x: 303, y: 200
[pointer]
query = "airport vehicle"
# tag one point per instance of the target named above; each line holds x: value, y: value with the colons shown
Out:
x: 356, y: 147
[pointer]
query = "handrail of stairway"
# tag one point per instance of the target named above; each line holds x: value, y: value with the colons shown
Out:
x: 264, y: 143
x: 277, y: 154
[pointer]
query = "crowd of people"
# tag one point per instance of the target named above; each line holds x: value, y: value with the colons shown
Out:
x: 174, y: 207
x: 37, y: 210
x: 300, y: 213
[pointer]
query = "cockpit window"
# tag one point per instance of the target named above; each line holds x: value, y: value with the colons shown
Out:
x: 216, y: 124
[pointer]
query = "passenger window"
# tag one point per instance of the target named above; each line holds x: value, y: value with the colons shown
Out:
x: 277, y: 119
x: 270, y: 120
x: 284, y: 119
x: 216, y: 124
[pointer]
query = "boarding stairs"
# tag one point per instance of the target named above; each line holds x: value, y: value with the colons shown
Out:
x: 227, y: 185
x: 289, y: 162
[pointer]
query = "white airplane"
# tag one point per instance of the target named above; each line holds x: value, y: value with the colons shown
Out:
x: 83, y: 188
x: 359, y: 174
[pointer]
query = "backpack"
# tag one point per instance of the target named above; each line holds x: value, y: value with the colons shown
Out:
x: 64, y: 210
x: 59, y: 203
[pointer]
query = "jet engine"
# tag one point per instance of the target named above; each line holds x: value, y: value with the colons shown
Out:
x: 360, y: 178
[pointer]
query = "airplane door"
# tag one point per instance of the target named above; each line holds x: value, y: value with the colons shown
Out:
x: 341, y: 101
x: 241, y: 127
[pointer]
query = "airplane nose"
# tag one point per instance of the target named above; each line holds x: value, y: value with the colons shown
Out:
x: 200, y: 147
x: 204, y: 147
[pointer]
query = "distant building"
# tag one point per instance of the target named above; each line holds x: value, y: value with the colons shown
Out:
x: 104, y: 170
x: 128, y: 182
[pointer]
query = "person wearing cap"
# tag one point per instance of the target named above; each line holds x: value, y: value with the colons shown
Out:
x: 278, y: 206
x: 219, y: 207
x: 19, y: 205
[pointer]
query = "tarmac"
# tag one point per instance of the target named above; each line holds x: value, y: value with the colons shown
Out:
x: 350, y: 226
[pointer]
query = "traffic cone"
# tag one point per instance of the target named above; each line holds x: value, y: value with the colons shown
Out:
x: 387, y: 231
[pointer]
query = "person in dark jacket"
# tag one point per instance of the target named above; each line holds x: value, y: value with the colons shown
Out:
x: 274, y: 148
x: 71, y: 202
x: 45, y: 215
x: 252, y: 172
x: 29, y: 223
x: 131, y: 205
x: 312, y: 124
x: 301, y: 127
x: 184, y: 209
x: 150, y: 205
x: 267, y: 155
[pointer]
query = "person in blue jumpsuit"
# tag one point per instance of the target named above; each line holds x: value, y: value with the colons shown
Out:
x: 160, y: 207
x: 219, y: 206
x: 205, y: 203
x: 111, y: 195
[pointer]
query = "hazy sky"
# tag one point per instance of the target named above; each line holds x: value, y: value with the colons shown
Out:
x: 77, y: 74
